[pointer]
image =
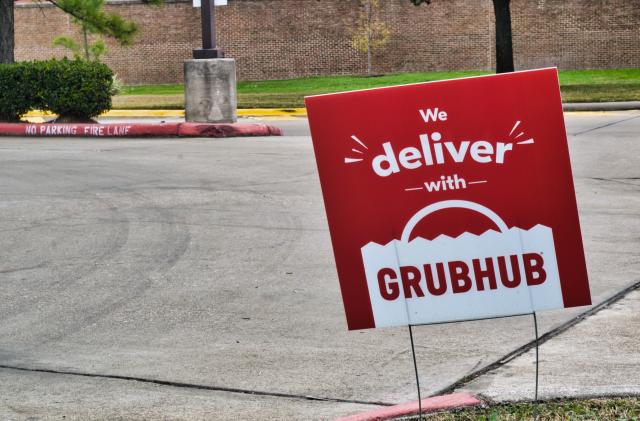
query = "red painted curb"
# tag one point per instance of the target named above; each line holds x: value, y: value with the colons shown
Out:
x: 226, y: 130
x: 454, y: 400
x: 138, y: 130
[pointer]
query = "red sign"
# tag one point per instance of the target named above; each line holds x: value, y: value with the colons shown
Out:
x: 450, y: 200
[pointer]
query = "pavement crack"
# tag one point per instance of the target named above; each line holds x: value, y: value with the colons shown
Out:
x: 13, y: 270
x: 541, y: 340
x: 196, y: 386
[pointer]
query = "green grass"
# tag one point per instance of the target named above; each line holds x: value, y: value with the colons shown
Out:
x: 600, y: 77
x: 578, y: 409
x: 576, y: 86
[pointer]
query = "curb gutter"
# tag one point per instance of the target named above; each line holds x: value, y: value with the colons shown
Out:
x: 302, y: 112
x: 601, y: 106
x: 138, y: 130
x: 436, y: 403
x: 248, y: 112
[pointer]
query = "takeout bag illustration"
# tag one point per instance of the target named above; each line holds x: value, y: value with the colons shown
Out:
x: 506, y: 272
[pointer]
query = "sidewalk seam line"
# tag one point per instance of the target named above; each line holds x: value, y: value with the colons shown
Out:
x: 196, y: 386
x: 615, y: 180
x: 541, y: 340
x: 605, y: 125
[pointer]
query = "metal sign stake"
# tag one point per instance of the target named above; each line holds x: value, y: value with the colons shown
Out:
x: 537, y: 342
x: 415, y: 367
x: 535, y: 402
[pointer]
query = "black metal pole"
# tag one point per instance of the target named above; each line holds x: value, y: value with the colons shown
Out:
x: 415, y: 367
x: 208, y: 20
x: 504, y: 47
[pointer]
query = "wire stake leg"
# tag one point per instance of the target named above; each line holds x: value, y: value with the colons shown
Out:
x: 415, y: 367
x: 535, y: 402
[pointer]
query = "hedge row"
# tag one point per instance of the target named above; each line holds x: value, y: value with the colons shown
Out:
x: 76, y: 90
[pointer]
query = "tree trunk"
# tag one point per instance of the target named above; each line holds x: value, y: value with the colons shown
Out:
x: 6, y: 31
x: 86, y: 42
x: 504, y: 48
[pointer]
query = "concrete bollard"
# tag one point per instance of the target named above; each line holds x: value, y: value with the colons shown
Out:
x: 210, y: 90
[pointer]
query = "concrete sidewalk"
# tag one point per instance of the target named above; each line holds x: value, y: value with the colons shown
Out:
x: 598, y: 357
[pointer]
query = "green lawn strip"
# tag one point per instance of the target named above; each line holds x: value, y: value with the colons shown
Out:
x: 149, y: 102
x: 176, y: 102
x: 325, y: 84
x: 600, y: 77
x: 173, y: 89
x: 601, y: 93
x: 311, y: 85
x: 576, y: 86
x: 568, y: 409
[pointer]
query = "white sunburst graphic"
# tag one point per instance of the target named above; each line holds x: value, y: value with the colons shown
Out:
x: 350, y: 160
x: 529, y: 141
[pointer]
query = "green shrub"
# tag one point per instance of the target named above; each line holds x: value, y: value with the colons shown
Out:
x: 76, y: 90
x: 17, y: 90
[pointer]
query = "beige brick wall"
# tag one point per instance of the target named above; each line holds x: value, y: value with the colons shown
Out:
x: 274, y: 39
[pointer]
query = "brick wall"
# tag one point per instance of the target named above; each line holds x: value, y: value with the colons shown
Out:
x: 274, y: 39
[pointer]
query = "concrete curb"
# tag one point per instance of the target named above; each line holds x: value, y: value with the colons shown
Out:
x: 247, y: 112
x: 436, y: 403
x: 272, y: 112
x: 138, y: 130
x: 602, y: 106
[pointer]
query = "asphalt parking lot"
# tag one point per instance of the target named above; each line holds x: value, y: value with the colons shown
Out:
x: 194, y: 278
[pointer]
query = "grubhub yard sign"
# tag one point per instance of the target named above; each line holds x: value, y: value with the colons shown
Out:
x: 450, y: 200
